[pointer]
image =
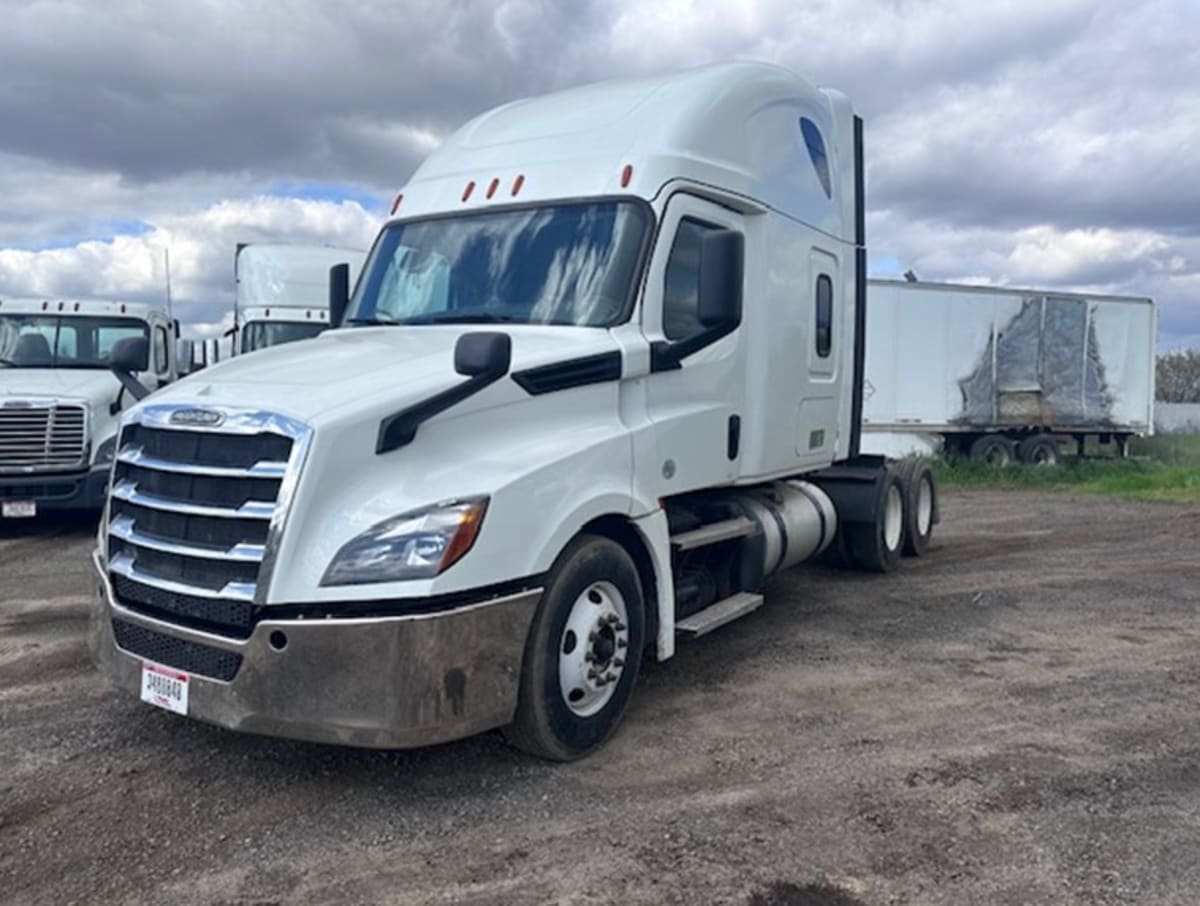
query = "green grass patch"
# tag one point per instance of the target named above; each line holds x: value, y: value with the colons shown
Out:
x: 1160, y: 468
x: 1169, y: 449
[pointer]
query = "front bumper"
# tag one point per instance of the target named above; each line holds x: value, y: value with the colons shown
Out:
x: 70, y: 491
x: 386, y: 682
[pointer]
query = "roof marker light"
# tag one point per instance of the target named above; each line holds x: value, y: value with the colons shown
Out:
x: 517, y: 183
x: 45, y: 304
x: 77, y: 306
x: 492, y: 186
x: 468, y: 190
x: 626, y: 175
x: 396, y: 203
x: 122, y: 308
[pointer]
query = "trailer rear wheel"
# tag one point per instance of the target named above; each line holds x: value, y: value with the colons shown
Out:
x: 1038, y: 450
x: 583, y: 652
x: 876, y: 546
x: 993, y: 450
x: 920, y: 511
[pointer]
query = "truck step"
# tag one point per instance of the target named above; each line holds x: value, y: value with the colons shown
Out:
x: 717, y: 615
x: 713, y: 533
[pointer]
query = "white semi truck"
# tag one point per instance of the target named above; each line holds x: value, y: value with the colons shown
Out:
x: 282, y: 292
x: 1001, y: 375
x: 60, y: 404
x: 600, y: 378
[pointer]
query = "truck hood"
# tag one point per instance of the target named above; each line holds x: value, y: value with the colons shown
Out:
x: 93, y: 386
x: 355, y: 370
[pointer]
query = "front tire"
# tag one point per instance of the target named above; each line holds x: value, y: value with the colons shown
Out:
x: 583, y: 652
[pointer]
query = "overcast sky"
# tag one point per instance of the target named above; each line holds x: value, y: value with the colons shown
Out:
x: 1040, y: 143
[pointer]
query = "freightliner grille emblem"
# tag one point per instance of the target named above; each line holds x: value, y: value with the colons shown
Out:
x: 197, y: 418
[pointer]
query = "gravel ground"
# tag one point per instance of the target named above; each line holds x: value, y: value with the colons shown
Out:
x: 1010, y: 720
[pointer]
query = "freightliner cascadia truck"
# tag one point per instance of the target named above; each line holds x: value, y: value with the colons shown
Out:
x: 600, y: 377
x: 59, y: 402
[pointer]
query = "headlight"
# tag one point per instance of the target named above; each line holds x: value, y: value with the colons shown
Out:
x: 104, y: 453
x: 416, y: 545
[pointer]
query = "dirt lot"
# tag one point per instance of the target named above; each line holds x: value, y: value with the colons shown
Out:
x: 1011, y: 720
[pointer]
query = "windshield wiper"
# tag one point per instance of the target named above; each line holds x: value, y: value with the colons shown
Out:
x: 465, y: 317
x: 374, y: 321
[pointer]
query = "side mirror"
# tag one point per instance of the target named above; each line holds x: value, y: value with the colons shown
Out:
x: 339, y: 293
x: 185, y: 356
x: 483, y: 354
x: 128, y: 356
x: 721, y: 263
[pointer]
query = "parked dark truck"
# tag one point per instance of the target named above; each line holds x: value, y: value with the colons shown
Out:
x: 601, y: 376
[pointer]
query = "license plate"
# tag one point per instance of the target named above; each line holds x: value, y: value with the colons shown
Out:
x: 165, y: 688
x: 18, y: 509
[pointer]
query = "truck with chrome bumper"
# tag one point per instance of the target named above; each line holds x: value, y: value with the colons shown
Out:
x: 389, y: 680
x: 59, y: 402
x: 556, y: 426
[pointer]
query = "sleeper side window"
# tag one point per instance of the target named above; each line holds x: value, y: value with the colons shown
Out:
x: 824, y: 333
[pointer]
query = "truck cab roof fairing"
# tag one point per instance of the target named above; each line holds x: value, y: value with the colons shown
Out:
x: 578, y: 143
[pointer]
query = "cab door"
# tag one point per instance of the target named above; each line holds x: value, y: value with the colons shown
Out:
x: 694, y: 392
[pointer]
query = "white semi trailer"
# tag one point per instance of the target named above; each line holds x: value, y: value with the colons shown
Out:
x: 282, y: 292
x: 999, y: 375
x: 59, y: 403
x: 600, y: 378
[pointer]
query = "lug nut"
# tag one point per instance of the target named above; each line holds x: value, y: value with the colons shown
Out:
x: 620, y: 627
x: 593, y: 635
x: 621, y: 643
x: 617, y: 662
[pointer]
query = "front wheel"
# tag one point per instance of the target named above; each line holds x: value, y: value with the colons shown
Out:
x: 583, y: 652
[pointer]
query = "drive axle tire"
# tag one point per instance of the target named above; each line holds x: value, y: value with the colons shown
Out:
x: 1038, y: 450
x: 993, y: 450
x: 876, y: 546
x: 920, y: 510
x: 582, y: 654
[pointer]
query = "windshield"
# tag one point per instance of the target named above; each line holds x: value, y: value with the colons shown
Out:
x: 261, y: 334
x: 54, y: 341
x: 555, y: 264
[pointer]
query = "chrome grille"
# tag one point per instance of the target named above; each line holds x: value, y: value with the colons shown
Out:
x: 193, y: 514
x: 42, y: 435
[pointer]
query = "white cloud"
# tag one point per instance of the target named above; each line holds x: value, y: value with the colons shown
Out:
x: 1020, y: 141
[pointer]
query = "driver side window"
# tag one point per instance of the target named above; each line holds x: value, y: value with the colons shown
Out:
x: 681, y: 286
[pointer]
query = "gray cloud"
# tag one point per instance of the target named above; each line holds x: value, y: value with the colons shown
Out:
x: 1046, y: 142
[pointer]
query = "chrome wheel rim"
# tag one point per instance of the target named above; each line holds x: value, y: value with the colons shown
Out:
x: 893, y: 518
x: 924, y: 505
x: 592, y: 650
